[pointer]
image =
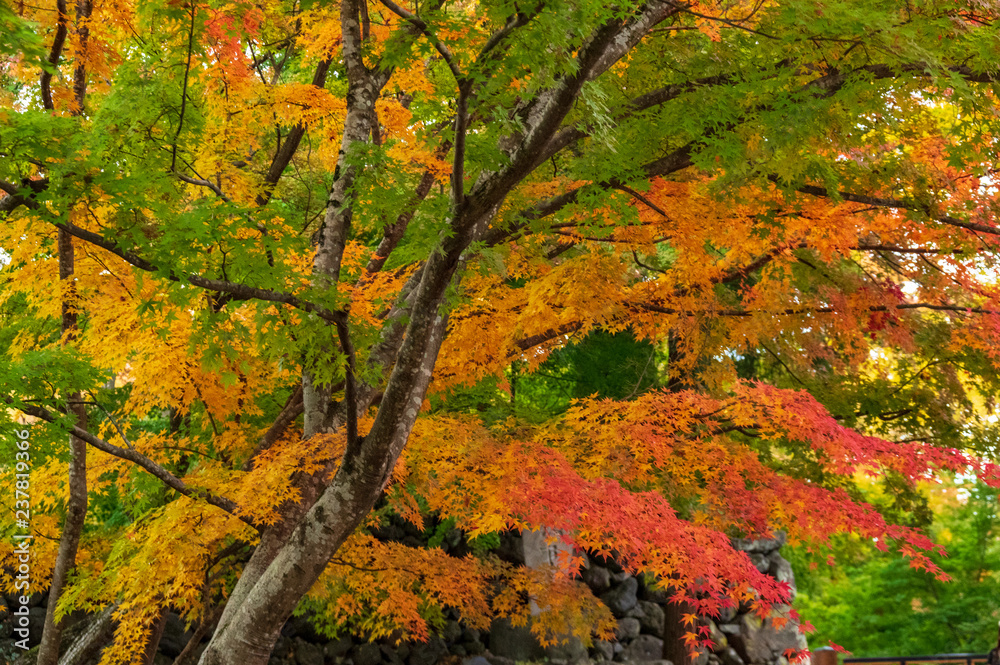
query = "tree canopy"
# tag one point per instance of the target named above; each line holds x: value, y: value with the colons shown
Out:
x: 649, y: 275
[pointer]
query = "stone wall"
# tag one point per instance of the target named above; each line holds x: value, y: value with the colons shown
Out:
x: 741, y: 638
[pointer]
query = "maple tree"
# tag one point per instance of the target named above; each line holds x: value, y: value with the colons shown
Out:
x: 246, y: 241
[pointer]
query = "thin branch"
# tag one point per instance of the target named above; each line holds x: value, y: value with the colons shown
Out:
x: 897, y: 204
x: 439, y: 46
x: 187, y: 75
x: 782, y: 363
x: 756, y: 264
x: 639, y: 197
x: 635, y: 256
x: 121, y: 432
x: 283, y: 156
x: 732, y: 24
x: 84, y: 8
x: 141, y: 460
x: 350, y: 390
x: 461, y: 127
x: 817, y: 310
x: 201, y: 182
x: 675, y: 161
x: 394, y: 232
x: 237, y: 290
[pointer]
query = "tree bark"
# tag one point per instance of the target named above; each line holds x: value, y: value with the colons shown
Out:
x: 76, y: 509
x: 154, y: 638
x: 674, y: 648
x: 96, y: 635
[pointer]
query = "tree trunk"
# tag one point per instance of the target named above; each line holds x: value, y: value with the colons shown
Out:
x: 154, y: 638
x: 674, y: 648
x: 76, y: 508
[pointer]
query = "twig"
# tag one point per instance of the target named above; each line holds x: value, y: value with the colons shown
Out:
x: 187, y: 74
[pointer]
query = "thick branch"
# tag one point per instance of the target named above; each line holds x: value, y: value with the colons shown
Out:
x: 292, y: 410
x: 792, y: 311
x: 284, y: 154
x: 54, y: 54
x: 898, y: 204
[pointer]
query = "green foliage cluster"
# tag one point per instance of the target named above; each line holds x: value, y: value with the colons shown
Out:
x: 874, y: 604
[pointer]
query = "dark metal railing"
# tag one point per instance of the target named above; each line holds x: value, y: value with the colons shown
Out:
x: 827, y: 656
x: 963, y: 658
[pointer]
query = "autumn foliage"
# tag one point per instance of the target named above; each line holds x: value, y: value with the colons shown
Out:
x: 278, y: 211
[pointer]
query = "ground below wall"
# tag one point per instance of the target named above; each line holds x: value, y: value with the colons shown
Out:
x: 740, y: 637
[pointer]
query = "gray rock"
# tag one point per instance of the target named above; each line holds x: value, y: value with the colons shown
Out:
x: 175, y: 636
x: 729, y: 629
x: 643, y: 648
x: 728, y: 656
x: 389, y: 655
x: 452, y: 631
x: 761, y: 545
x: 762, y: 642
x: 512, y: 642
x: 727, y: 614
x: 475, y: 660
x: 301, y: 627
x: 338, y: 648
x: 622, y: 598
x: 628, y: 628
x: 570, y: 651
x: 618, y: 578
x: 282, y: 647
x: 660, y: 596
x: 652, y: 618
x: 426, y: 653
x: 367, y: 654
x: 597, y: 578
x: 781, y: 570
x: 497, y: 660
x: 759, y: 561
x: 307, y: 653
x: 604, y: 650
x: 717, y: 636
